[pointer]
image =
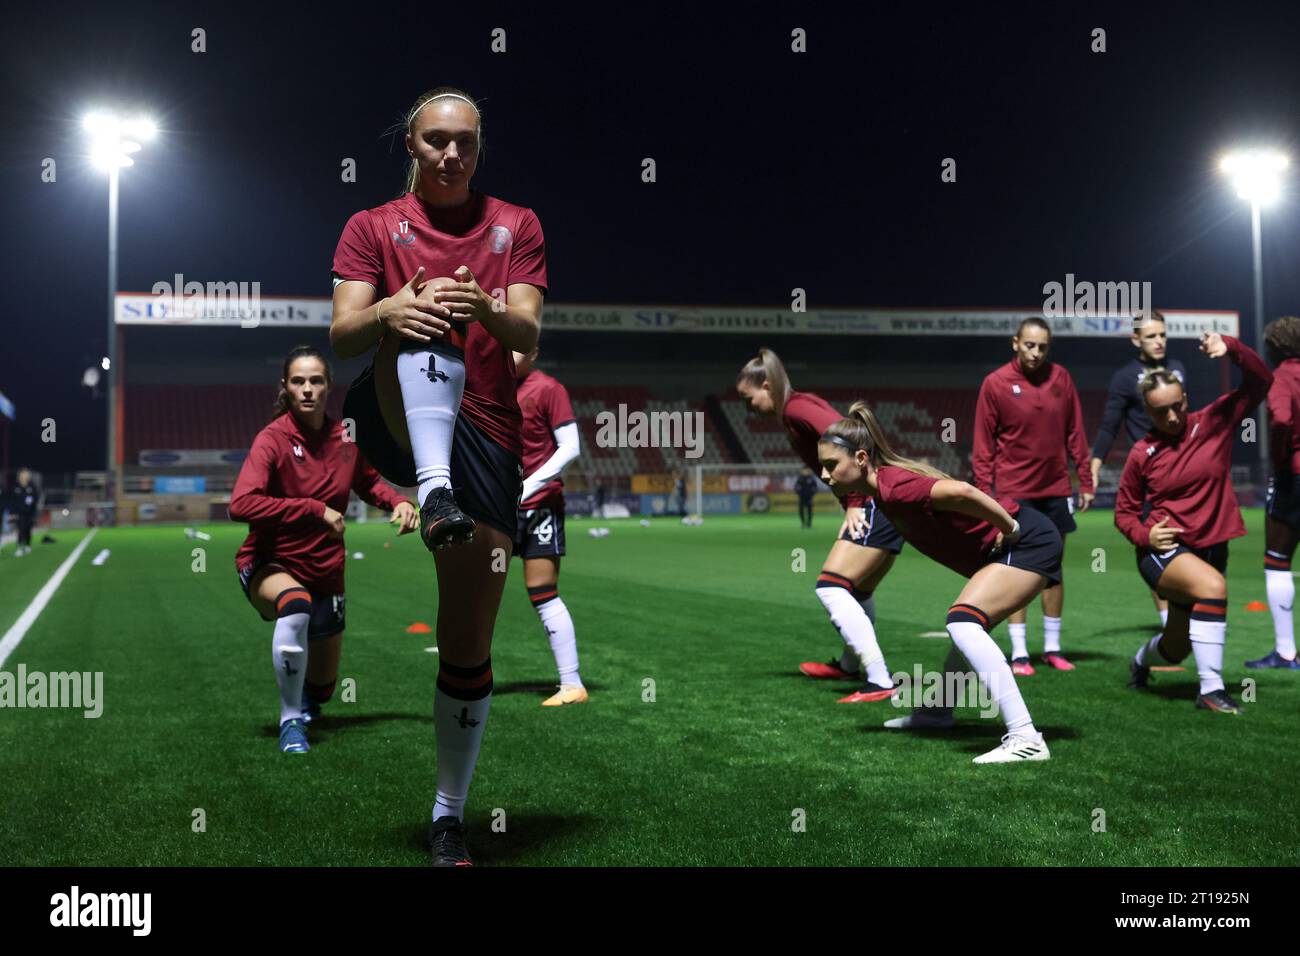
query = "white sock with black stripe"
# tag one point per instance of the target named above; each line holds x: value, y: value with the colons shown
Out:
x: 432, y: 385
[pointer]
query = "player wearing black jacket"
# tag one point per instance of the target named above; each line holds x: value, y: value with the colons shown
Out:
x: 1125, y: 405
x: 23, y: 500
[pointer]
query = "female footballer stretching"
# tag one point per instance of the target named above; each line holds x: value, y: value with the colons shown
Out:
x: 1182, y: 467
x: 1282, y: 511
x: 867, y: 544
x: 293, y: 490
x: 1008, y: 553
x: 551, y: 441
x: 496, y: 254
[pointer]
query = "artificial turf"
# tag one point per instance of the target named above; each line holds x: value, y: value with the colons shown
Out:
x: 737, y: 759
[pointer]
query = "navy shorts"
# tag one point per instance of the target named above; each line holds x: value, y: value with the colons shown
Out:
x: 878, y: 533
x: 1152, y: 563
x: 1060, y: 511
x: 328, y: 611
x: 540, y: 532
x: 1039, y: 549
x: 1283, y: 501
x: 485, y: 478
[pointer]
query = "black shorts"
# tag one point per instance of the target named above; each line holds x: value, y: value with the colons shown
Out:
x: 328, y: 611
x: 1039, y: 549
x: 485, y: 478
x: 540, y: 532
x: 1283, y: 501
x: 878, y: 533
x: 1060, y: 511
x: 1152, y: 563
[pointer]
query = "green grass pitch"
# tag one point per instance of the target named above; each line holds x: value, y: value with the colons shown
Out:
x: 713, y: 771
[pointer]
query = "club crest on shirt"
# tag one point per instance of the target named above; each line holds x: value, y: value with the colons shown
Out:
x: 498, y: 239
x: 1015, y: 389
x: 297, y: 451
x: 1151, y: 450
x: 403, y: 236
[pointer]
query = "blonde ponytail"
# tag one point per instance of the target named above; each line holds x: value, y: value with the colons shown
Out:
x: 863, y: 431
x: 767, y: 367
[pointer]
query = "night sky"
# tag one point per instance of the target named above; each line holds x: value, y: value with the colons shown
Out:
x: 775, y: 170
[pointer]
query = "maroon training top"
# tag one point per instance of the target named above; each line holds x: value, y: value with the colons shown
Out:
x: 805, y: 417
x: 501, y: 244
x: 1284, y: 417
x: 545, y: 405
x: 957, y: 541
x: 288, y: 478
x: 1186, y: 478
x: 1025, y: 428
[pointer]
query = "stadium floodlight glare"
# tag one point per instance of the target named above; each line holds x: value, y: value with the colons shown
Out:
x: 1256, y: 174
x: 1257, y: 177
x: 113, y: 140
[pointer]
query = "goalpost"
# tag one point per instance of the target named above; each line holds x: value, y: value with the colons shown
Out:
x: 747, y: 488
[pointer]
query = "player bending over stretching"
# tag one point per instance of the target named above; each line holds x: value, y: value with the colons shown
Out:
x: 1008, y: 553
x: 867, y: 544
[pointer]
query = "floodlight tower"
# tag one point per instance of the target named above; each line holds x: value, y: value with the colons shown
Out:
x: 112, y: 142
x: 1257, y: 177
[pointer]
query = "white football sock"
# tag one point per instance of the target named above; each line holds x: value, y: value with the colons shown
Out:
x: 289, y: 656
x: 1019, y: 648
x: 1149, y: 651
x: 994, y: 673
x: 432, y: 386
x: 564, y: 642
x: 1051, y: 634
x: 857, y: 630
x: 1281, y: 597
x: 1208, y: 638
x: 876, y: 673
x: 458, y: 725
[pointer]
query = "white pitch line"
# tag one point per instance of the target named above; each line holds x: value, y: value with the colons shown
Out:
x: 15, y: 634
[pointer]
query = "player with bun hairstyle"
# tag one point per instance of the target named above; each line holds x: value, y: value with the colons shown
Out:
x: 1282, y: 509
x: 1007, y: 553
x: 1183, y: 468
x: 484, y: 262
x: 292, y: 491
x: 867, y: 544
x: 1124, y: 404
x: 1028, y: 423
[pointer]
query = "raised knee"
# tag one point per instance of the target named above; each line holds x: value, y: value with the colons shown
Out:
x: 1213, y: 589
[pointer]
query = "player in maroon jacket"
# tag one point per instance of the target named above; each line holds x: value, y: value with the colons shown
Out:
x: 1182, y: 466
x: 487, y: 259
x: 1007, y: 552
x: 292, y: 491
x: 551, y: 442
x: 1282, y: 510
x: 1027, y: 422
x: 867, y: 545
